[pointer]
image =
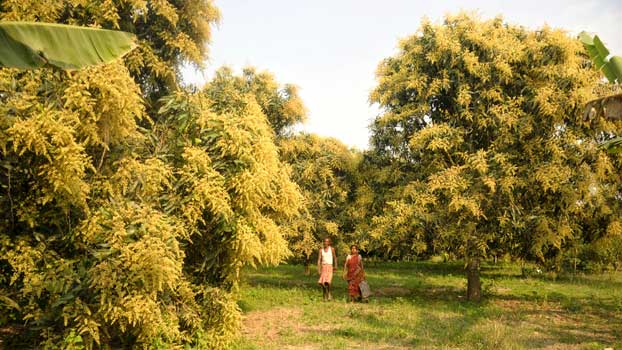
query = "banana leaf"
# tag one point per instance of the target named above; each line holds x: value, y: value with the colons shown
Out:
x: 30, y: 45
x: 609, y: 107
x: 613, y: 146
x: 611, y: 67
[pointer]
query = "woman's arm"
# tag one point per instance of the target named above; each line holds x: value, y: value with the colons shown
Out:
x: 335, y: 261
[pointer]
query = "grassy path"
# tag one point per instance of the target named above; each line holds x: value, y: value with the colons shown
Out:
x: 420, y: 306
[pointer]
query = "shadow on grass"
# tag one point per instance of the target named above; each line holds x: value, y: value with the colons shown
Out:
x: 292, y: 275
x: 554, y: 317
x: 567, y: 278
x: 477, y: 326
x: 562, y: 320
x: 440, y: 328
x: 416, y: 278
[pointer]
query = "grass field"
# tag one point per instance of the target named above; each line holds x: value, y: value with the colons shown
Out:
x: 421, y: 306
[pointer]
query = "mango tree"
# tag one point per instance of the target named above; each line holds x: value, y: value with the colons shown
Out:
x: 482, y: 118
x: 281, y: 104
x: 324, y: 169
x: 128, y: 205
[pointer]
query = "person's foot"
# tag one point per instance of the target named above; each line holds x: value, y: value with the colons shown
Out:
x: 330, y: 297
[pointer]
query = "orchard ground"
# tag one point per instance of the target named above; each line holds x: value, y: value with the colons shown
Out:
x: 421, y: 306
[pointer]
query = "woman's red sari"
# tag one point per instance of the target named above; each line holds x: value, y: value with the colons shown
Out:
x: 355, y: 275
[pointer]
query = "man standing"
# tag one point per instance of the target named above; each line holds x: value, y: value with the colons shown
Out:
x: 326, y: 264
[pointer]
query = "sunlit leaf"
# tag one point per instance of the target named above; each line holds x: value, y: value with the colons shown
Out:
x: 611, y: 67
x: 29, y: 45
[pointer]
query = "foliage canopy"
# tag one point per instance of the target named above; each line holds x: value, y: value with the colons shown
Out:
x: 483, y: 119
x: 281, y: 104
x: 129, y: 203
x: 326, y: 172
x: 124, y: 225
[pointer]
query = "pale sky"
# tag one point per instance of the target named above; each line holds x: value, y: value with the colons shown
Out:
x: 331, y: 48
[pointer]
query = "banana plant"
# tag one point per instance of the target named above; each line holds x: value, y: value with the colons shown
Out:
x: 609, y: 107
x: 611, y: 67
x: 31, y: 45
x: 613, y: 146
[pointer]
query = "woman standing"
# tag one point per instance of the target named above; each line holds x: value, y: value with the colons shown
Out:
x: 326, y: 264
x: 355, y: 273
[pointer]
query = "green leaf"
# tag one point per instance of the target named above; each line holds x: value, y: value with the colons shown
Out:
x: 613, y: 146
x: 610, y: 67
x: 586, y: 38
x: 616, y: 66
x: 600, y: 47
x: 9, y: 302
x: 30, y: 45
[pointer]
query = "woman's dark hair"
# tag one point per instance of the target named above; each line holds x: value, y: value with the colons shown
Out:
x: 354, y: 246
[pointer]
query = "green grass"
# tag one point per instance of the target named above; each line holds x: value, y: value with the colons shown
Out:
x: 421, y: 306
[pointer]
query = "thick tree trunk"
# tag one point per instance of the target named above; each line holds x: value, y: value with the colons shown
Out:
x: 474, y: 285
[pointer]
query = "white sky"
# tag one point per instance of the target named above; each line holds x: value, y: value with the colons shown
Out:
x: 331, y: 49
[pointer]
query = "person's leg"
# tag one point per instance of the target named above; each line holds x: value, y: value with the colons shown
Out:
x: 328, y: 295
x: 350, y: 298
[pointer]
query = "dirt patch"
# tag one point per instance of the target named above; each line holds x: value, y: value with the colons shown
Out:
x: 266, y: 327
x: 316, y: 328
x: 270, y: 323
x: 351, y: 345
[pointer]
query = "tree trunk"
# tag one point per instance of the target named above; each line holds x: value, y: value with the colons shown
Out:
x: 474, y: 285
x: 307, y: 269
